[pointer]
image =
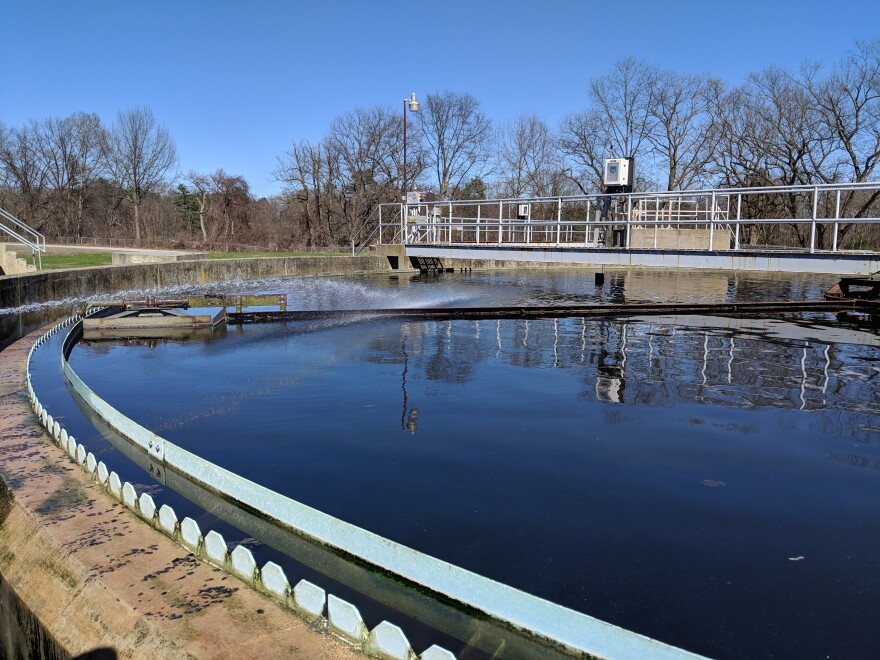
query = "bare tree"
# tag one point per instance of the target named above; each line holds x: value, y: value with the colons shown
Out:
x: 618, y: 123
x: 71, y: 151
x: 794, y: 147
x: 140, y: 154
x: 24, y: 171
x: 529, y: 162
x: 582, y: 143
x: 52, y: 163
x: 86, y: 135
x: 738, y: 160
x: 53, y: 140
x: 203, y: 186
x: 306, y: 172
x: 849, y: 107
x: 332, y: 186
x: 233, y: 197
x: 364, y: 146
x: 682, y: 135
x: 770, y: 133
x: 622, y: 99
x: 457, y: 137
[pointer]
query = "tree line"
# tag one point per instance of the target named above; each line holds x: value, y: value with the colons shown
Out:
x: 74, y: 177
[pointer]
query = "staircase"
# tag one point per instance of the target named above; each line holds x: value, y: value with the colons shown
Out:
x: 10, y: 262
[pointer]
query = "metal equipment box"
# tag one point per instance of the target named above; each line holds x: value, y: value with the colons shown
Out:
x: 617, y: 172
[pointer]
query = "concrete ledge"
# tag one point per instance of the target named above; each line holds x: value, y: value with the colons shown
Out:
x: 154, y: 257
x: 504, y: 256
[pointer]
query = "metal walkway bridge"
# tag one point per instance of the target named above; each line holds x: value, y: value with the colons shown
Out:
x: 825, y: 228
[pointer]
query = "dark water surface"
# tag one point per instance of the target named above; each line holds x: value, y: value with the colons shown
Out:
x: 709, y: 482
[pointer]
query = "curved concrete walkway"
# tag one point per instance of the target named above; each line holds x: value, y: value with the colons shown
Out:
x: 97, y: 577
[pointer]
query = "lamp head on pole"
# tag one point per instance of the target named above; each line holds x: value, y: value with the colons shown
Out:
x: 413, y: 103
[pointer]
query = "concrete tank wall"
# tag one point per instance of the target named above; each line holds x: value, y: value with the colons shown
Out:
x: 16, y: 291
x: 76, y: 284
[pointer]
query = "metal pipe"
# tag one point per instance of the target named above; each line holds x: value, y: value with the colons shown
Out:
x: 738, y: 218
x: 479, y: 207
x: 405, y: 200
x: 629, y: 200
x: 558, y: 220
x: 813, y: 224
x: 712, y: 223
x: 449, y: 226
x: 404, y: 239
x: 836, y: 218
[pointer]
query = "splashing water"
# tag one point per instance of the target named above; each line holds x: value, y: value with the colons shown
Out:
x: 320, y: 293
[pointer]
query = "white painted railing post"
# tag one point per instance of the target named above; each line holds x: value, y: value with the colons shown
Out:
x: 528, y: 226
x: 403, y: 236
x: 836, y: 224
x: 656, y: 218
x: 712, y: 222
x: 449, y: 226
x: 587, y: 229
x: 629, y: 208
x: 738, y: 218
x: 813, y: 223
x: 479, y: 208
x: 558, y: 220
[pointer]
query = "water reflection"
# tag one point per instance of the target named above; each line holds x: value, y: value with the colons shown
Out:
x: 408, y: 421
x: 659, y: 361
x: 738, y: 363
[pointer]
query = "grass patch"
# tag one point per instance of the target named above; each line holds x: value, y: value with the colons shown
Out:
x: 249, y: 255
x: 83, y: 260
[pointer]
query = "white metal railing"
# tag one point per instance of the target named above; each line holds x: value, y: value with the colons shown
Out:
x: 775, y: 217
x: 23, y: 234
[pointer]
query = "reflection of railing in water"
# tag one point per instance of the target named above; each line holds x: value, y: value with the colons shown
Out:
x: 663, y: 360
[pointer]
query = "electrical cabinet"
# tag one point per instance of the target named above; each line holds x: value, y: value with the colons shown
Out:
x: 618, y: 172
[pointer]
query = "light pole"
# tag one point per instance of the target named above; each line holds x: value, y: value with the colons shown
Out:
x: 413, y: 107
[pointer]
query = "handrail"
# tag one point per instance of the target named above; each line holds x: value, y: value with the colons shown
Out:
x: 354, y: 239
x: 572, y: 221
x: 821, y: 187
x: 37, y: 244
x: 356, y: 252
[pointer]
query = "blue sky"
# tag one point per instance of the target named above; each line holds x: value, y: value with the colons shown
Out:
x: 236, y: 82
